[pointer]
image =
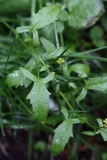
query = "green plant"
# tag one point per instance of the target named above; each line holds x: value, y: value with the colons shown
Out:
x: 50, y: 60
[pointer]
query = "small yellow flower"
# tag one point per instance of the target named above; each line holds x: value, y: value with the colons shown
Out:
x: 105, y: 123
x: 60, y: 61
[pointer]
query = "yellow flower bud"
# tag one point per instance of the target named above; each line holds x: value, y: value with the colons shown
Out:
x: 105, y: 123
x: 60, y: 61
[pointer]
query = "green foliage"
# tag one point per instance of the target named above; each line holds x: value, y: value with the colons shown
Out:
x: 65, y: 113
x: 39, y: 98
x: 45, y: 49
x: 90, y: 133
x: 97, y: 83
x: 13, y: 6
x: 96, y: 34
x: 17, y: 78
x: 62, y: 135
x: 55, y: 53
x: 82, y: 69
x: 63, y: 16
x: 40, y: 146
x: 47, y: 44
x: 45, y: 16
x: 104, y: 156
x: 89, y: 12
x: 101, y: 130
x: 82, y: 95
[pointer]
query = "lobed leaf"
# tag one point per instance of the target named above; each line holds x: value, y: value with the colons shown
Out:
x: 50, y: 77
x: 28, y: 74
x: 102, y: 130
x: 39, y: 98
x: 45, y: 16
x: 97, y: 83
x: 16, y: 79
x: 62, y: 134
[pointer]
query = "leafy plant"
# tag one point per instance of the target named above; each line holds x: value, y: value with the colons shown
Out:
x: 53, y: 69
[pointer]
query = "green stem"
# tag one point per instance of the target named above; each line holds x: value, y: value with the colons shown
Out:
x: 9, y: 55
x: 16, y: 36
x: 33, y: 8
x: 73, y: 109
x: 69, y: 149
x: 56, y: 36
x: 40, y: 4
x: 53, y: 1
x: 18, y: 59
x: 1, y: 126
x: 61, y: 39
x: 22, y: 103
x: 2, y: 84
x: 66, y: 101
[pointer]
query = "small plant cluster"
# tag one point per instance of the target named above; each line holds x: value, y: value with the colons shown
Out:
x: 54, y: 70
